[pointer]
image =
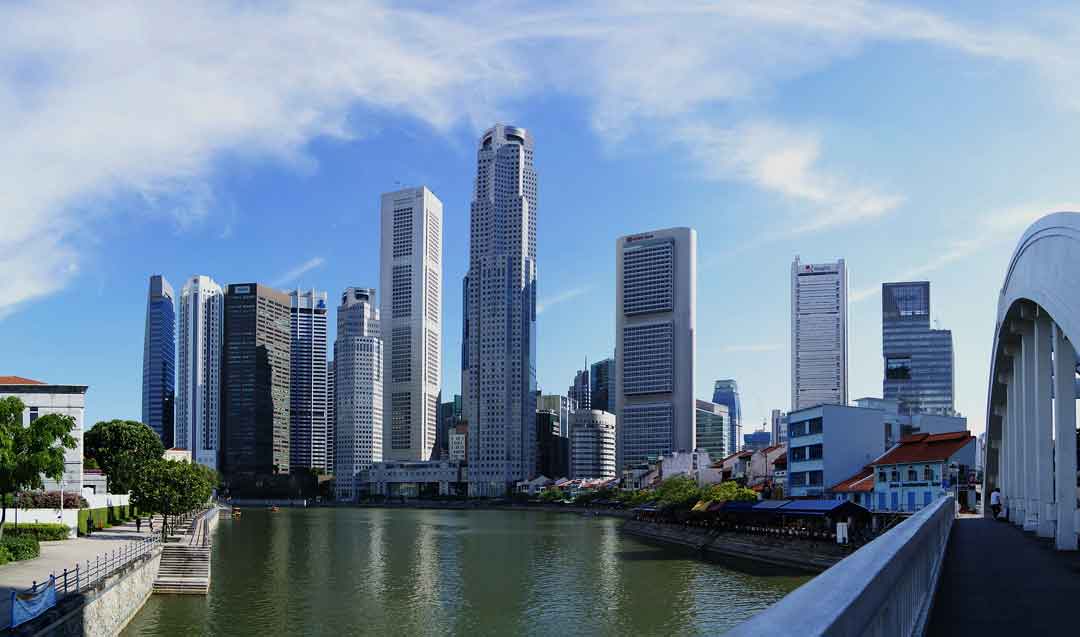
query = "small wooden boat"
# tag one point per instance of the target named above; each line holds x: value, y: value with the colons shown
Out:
x: 274, y: 509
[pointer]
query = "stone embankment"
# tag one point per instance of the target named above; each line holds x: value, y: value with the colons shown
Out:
x: 788, y: 553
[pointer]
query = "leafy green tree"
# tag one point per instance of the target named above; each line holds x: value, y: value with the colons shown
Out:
x: 678, y: 490
x: 552, y: 495
x: 171, y: 488
x: 121, y: 448
x: 30, y: 452
x: 726, y: 491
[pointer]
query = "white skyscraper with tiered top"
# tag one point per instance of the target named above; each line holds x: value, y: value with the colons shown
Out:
x: 818, y: 334
x: 499, y: 370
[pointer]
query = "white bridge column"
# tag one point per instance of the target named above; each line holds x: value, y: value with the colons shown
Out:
x: 1029, y: 422
x: 1065, y: 441
x: 1019, y: 455
x: 1012, y: 496
x: 1044, y: 427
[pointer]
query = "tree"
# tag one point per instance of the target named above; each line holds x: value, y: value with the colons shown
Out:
x: 30, y: 452
x: 121, y: 448
x: 726, y: 491
x: 171, y: 488
x: 678, y: 490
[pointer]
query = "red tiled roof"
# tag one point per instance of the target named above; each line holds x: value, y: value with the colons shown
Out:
x: 780, y: 462
x: 766, y: 450
x: 926, y: 448
x: 18, y: 380
x: 861, y: 481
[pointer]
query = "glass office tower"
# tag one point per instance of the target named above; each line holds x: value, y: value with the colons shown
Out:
x: 726, y: 392
x: 918, y: 360
x: 159, y: 360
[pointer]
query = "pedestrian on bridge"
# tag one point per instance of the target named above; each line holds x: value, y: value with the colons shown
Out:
x: 995, y: 502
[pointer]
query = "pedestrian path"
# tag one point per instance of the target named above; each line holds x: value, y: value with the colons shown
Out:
x: 998, y: 580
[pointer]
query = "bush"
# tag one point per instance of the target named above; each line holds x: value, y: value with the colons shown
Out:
x: 42, y: 531
x: 5, y: 555
x: 50, y: 500
x: 21, y: 547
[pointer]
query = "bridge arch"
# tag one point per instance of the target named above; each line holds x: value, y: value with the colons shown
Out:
x: 1030, y: 452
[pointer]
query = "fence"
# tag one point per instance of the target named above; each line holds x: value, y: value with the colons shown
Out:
x: 885, y: 588
x: 87, y: 575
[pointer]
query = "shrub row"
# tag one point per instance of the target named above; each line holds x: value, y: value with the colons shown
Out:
x: 21, y: 547
x: 45, y: 500
x: 41, y: 531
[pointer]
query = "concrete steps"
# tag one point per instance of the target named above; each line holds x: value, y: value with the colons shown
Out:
x: 185, y: 563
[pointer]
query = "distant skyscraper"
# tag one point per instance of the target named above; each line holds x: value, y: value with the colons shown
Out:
x: 757, y: 440
x: 410, y: 264
x: 331, y: 417
x: 778, y: 420
x: 656, y: 288
x: 358, y: 387
x: 580, y: 391
x: 818, y: 334
x: 602, y: 377
x: 564, y: 406
x: 255, y: 389
x: 712, y: 428
x: 918, y: 360
x: 308, y: 383
x: 198, y: 407
x: 726, y: 392
x: 499, y: 379
x: 159, y: 360
x: 592, y: 446
x: 552, y: 449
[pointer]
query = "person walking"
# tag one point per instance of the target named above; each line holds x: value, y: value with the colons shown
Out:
x: 995, y: 502
x: 138, y: 524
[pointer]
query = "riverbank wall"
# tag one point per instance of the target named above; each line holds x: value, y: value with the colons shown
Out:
x: 480, y: 505
x: 787, y: 553
x: 104, y: 610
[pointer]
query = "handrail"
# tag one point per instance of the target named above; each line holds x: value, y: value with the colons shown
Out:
x: 884, y: 588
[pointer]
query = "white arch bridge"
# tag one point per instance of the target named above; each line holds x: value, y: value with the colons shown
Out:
x: 938, y: 575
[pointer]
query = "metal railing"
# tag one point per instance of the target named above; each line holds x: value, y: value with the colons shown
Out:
x: 199, y: 530
x: 886, y: 588
x: 90, y: 573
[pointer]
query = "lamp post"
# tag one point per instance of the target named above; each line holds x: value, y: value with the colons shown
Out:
x: 63, y: 483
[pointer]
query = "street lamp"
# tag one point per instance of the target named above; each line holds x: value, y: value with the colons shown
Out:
x: 63, y: 483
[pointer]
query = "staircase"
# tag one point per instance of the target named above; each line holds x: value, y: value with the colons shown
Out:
x: 185, y: 559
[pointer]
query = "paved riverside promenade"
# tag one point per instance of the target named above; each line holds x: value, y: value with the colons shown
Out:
x: 60, y: 554
x: 998, y: 580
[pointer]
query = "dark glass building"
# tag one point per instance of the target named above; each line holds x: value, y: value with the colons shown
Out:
x: 918, y: 360
x: 726, y: 392
x: 159, y: 360
x: 602, y: 378
x: 552, y: 449
x: 255, y: 368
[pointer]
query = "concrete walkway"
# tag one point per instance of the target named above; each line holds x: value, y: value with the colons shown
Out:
x: 998, y: 580
x: 58, y: 555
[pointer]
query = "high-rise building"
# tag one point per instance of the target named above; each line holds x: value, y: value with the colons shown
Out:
x: 198, y: 374
x: 255, y: 391
x: 159, y: 360
x: 552, y: 449
x: 331, y: 418
x: 580, y: 390
x: 308, y: 383
x: 358, y: 388
x: 499, y: 379
x: 449, y: 417
x: 561, y: 405
x: 712, y: 425
x: 410, y: 266
x: 592, y: 446
x: 602, y: 378
x: 656, y: 288
x: 918, y: 360
x: 818, y: 334
x: 778, y: 420
x: 757, y: 440
x: 726, y: 392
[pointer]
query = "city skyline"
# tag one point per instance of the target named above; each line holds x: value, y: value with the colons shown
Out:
x: 760, y: 158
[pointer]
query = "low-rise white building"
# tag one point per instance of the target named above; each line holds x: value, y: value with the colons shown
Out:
x: 42, y: 398
x: 417, y: 478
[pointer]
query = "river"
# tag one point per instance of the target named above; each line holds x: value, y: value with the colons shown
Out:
x: 425, y: 572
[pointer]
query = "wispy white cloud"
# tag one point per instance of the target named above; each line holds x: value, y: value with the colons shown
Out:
x: 299, y: 271
x: 100, y: 102
x: 760, y: 347
x: 542, y: 305
x: 998, y: 226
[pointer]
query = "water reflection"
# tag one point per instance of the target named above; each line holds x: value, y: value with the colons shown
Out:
x: 374, y: 571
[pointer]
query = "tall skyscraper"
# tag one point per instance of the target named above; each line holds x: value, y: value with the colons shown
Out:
x: 656, y: 297
x: 499, y: 380
x: 159, y: 360
x: 255, y: 391
x: 410, y: 264
x: 580, y: 390
x: 358, y: 386
x: 309, y: 429
x: 726, y: 392
x: 198, y: 406
x: 592, y: 446
x: 818, y: 334
x: 602, y: 379
x: 918, y: 360
x: 713, y: 428
x: 331, y: 417
x: 778, y: 421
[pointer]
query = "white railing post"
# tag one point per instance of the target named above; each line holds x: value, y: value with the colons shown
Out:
x: 1065, y: 441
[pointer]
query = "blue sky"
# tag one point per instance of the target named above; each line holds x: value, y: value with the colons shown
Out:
x: 252, y: 141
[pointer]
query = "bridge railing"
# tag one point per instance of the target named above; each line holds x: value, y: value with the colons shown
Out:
x: 885, y: 588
